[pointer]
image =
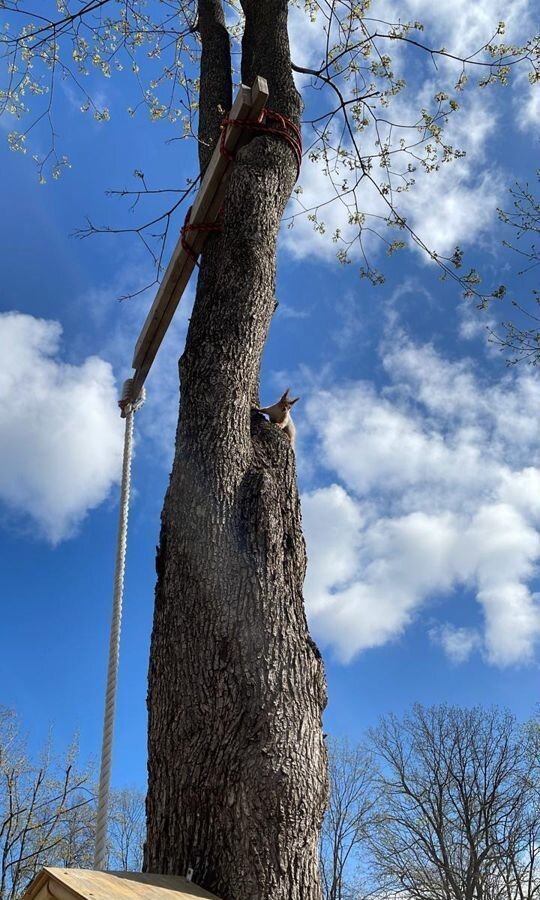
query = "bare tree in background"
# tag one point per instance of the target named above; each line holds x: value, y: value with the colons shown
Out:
x: 77, y: 828
x: 127, y: 829
x: 459, y: 810
x: 445, y: 805
x: 349, y: 818
x: 41, y: 809
x: 48, y: 813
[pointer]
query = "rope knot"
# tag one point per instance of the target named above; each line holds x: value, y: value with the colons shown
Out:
x: 191, y: 226
x: 127, y: 402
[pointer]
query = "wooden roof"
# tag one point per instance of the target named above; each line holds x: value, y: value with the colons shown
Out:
x: 84, y: 884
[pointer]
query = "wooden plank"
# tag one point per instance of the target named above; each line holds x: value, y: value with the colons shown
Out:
x: 248, y: 104
x: 84, y: 884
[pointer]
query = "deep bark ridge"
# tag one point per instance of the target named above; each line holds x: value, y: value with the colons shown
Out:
x: 237, y: 762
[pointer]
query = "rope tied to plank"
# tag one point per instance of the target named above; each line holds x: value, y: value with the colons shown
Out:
x: 128, y: 406
x: 191, y: 226
x: 282, y: 127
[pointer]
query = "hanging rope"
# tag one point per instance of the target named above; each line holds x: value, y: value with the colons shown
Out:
x: 128, y: 408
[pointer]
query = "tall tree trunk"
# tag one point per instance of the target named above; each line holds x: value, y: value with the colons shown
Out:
x: 237, y: 763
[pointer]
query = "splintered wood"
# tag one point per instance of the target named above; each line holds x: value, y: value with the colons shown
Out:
x: 84, y: 884
x: 248, y: 106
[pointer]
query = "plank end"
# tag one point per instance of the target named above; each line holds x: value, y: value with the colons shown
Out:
x: 259, y: 92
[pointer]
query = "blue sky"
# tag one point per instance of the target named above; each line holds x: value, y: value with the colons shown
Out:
x: 417, y: 449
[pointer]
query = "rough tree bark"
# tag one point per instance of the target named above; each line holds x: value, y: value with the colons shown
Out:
x: 237, y: 763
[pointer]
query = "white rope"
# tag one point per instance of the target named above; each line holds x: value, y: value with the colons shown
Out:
x: 100, y: 850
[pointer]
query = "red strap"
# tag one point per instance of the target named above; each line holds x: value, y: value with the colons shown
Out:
x: 189, y: 226
x: 282, y: 128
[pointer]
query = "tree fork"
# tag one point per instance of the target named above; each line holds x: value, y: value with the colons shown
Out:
x: 237, y: 763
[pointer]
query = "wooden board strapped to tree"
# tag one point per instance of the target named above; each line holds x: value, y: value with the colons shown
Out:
x: 248, y: 106
x: 83, y: 884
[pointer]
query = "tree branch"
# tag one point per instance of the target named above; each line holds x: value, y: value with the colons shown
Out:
x: 216, y: 77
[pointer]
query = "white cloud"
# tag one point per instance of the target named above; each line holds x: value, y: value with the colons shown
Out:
x: 527, y: 105
x: 464, y: 27
x: 439, y: 490
x: 457, y: 204
x: 460, y: 26
x: 531, y: 111
x: 472, y: 326
x: 457, y: 643
x: 60, y: 432
x: 307, y: 41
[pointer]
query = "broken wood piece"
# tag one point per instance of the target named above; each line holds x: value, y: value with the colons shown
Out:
x: 248, y: 106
